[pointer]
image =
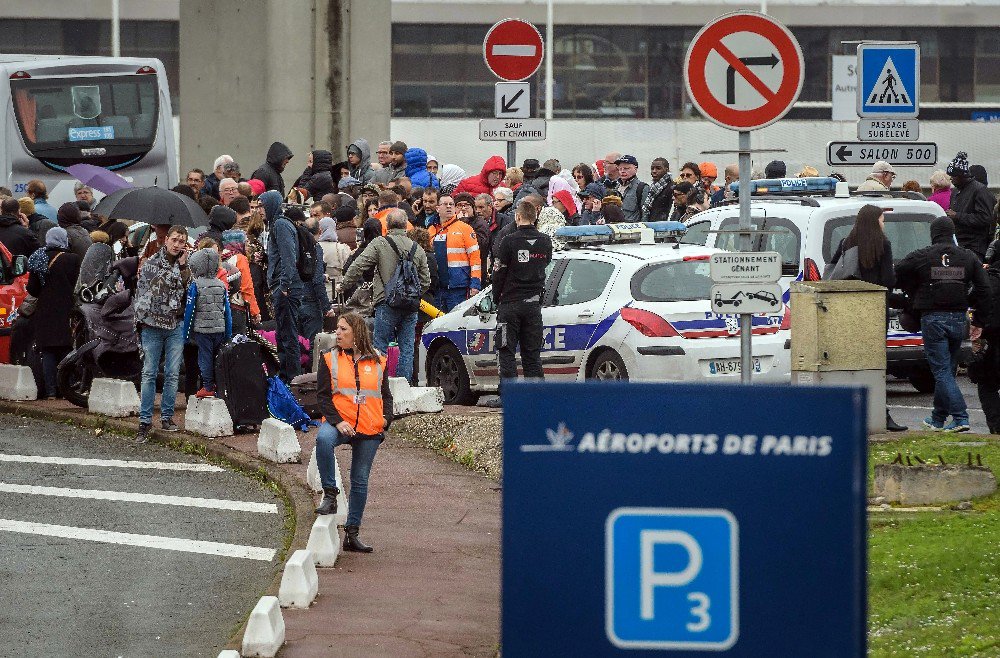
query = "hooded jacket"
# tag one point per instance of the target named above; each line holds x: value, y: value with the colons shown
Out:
x: 282, y: 247
x: 936, y: 277
x: 450, y: 176
x: 416, y: 169
x: 974, y: 222
x: 207, y: 310
x: 318, y: 179
x: 479, y: 184
x: 79, y: 237
x: 363, y: 172
x: 220, y: 220
x: 269, y: 172
x: 19, y: 240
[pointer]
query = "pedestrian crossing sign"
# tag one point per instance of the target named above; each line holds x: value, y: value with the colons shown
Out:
x: 889, y: 80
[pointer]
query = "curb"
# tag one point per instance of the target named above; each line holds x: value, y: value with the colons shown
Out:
x: 295, y: 491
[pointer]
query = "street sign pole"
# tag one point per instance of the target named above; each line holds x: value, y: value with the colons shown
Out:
x: 746, y: 320
x: 511, y: 153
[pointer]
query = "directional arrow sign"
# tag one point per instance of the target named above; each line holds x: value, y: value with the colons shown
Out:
x: 771, y: 61
x: 512, y: 100
x: 915, y: 154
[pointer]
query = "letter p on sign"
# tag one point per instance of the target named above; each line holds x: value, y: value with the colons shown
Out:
x: 671, y: 578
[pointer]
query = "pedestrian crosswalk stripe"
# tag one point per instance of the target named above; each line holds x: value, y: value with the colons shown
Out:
x: 125, y: 496
x: 147, y: 541
x: 114, y: 463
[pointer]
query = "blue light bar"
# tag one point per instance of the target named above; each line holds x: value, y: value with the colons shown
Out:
x: 811, y: 185
x: 622, y: 233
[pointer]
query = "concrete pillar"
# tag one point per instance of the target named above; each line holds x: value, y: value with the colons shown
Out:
x: 254, y: 73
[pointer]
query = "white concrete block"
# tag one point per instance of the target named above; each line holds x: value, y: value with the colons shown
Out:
x: 265, y: 629
x: 403, y: 402
x: 113, y: 397
x: 323, y: 342
x: 277, y: 442
x: 313, y: 479
x: 299, y: 582
x: 17, y: 383
x: 427, y: 399
x: 229, y: 653
x: 324, y: 541
x: 208, y: 417
x: 312, y: 474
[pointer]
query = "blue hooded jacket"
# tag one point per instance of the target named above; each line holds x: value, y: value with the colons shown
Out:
x: 416, y: 169
x: 282, y: 247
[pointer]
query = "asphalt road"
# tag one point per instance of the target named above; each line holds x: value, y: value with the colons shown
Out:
x: 86, y: 573
x: 910, y: 407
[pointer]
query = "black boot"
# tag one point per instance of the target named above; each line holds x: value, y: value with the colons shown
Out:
x: 329, y: 503
x: 892, y: 425
x: 352, y: 543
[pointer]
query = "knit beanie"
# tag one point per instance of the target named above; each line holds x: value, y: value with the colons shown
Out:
x: 565, y: 197
x: 960, y: 165
x: 222, y: 217
x: 257, y: 186
x: 57, y: 237
x: 233, y: 237
x: 68, y: 213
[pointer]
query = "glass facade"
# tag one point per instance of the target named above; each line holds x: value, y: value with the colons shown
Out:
x: 626, y: 71
x: 159, y: 39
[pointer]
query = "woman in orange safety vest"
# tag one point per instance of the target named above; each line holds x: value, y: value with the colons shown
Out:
x: 352, y: 391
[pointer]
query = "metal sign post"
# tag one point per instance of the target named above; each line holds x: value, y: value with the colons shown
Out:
x: 746, y: 319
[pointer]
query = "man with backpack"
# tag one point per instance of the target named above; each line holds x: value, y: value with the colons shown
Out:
x: 401, y: 278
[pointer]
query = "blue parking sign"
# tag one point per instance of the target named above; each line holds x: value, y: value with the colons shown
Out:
x: 672, y: 578
x: 889, y: 80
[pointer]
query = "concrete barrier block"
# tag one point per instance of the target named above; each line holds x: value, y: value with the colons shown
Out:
x: 208, y: 417
x: 324, y: 541
x: 403, y: 402
x: 427, y: 399
x: 17, y: 383
x: 313, y: 479
x: 312, y: 473
x: 265, y: 631
x: 323, y: 342
x: 932, y: 485
x: 299, y: 582
x: 277, y: 442
x: 113, y: 397
x: 229, y: 653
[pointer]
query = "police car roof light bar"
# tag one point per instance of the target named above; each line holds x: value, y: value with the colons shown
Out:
x: 624, y: 233
x: 790, y: 186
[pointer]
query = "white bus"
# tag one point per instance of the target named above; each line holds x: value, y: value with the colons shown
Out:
x: 113, y: 112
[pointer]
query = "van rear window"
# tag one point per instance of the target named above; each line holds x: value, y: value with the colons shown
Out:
x: 907, y: 232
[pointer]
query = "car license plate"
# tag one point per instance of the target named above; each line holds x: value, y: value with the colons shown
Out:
x: 894, y: 324
x: 730, y: 366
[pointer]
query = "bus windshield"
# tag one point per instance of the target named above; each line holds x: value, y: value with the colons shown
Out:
x: 66, y: 118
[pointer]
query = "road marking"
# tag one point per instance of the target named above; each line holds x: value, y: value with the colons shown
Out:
x: 903, y: 406
x: 147, y: 541
x: 514, y: 51
x: 125, y: 496
x: 115, y: 463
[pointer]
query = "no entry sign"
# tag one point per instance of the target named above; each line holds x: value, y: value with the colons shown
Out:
x: 744, y: 70
x: 513, y: 49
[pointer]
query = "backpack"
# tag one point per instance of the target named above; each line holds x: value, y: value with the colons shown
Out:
x: 281, y: 404
x: 306, y: 261
x: 402, y: 292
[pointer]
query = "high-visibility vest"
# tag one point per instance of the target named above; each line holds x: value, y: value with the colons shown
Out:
x: 357, y: 390
x: 383, y: 217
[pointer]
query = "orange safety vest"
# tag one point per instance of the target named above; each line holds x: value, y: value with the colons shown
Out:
x: 382, y: 217
x: 357, y: 390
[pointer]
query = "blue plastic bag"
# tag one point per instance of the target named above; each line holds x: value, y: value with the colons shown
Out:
x: 281, y: 404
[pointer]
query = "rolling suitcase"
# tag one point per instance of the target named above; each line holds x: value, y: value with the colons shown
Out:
x: 242, y: 382
x: 303, y: 388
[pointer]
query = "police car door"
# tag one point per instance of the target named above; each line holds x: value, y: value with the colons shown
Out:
x: 573, y: 309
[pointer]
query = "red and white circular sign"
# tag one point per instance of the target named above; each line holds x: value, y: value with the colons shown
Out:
x: 513, y: 49
x: 744, y: 70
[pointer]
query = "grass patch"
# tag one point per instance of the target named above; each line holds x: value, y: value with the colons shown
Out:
x: 934, y: 577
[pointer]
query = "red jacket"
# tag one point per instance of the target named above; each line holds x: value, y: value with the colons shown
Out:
x: 479, y: 184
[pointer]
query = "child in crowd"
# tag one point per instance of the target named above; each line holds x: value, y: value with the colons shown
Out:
x: 208, y: 319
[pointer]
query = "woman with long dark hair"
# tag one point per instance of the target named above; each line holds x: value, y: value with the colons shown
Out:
x: 583, y: 175
x: 352, y: 391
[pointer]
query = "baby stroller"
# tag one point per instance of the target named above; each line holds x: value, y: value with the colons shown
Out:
x: 105, y: 338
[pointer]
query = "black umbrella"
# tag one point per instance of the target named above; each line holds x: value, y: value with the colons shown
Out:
x: 153, y: 205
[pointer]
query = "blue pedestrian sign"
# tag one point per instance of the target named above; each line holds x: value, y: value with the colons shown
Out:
x: 714, y: 520
x: 889, y: 80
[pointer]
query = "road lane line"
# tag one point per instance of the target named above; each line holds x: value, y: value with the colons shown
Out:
x: 125, y: 496
x: 115, y: 463
x: 903, y: 406
x: 147, y: 541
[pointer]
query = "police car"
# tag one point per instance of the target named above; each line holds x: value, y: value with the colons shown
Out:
x: 804, y: 219
x: 621, y: 302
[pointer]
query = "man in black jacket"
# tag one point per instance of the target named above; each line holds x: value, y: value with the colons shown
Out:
x: 269, y: 173
x: 518, y: 285
x: 936, y: 278
x: 971, y: 208
x: 14, y: 233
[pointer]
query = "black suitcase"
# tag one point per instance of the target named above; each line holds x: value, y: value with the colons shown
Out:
x: 303, y: 388
x: 242, y: 382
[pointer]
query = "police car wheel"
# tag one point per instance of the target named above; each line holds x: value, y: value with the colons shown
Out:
x: 448, y: 371
x: 609, y: 367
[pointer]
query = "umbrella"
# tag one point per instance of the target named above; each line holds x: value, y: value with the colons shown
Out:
x: 153, y: 205
x: 99, y: 178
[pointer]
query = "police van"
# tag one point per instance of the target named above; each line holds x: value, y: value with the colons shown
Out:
x: 621, y: 302
x: 804, y: 220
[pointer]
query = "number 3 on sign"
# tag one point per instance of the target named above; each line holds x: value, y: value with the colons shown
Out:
x: 700, y: 610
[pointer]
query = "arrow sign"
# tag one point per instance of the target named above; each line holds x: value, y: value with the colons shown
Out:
x: 843, y: 153
x: 912, y: 154
x: 771, y: 61
x: 512, y: 100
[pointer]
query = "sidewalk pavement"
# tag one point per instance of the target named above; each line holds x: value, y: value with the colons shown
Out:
x: 432, y: 586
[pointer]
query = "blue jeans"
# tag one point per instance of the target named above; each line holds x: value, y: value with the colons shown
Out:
x: 51, y: 356
x: 208, y: 347
x: 362, y: 455
x: 286, y: 318
x: 401, y: 326
x: 449, y: 298
x: 169, y: 345
x: 310, y: 318
x: 943, y: 332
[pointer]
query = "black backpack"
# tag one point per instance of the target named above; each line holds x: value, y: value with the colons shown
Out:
x: 402, y: 291
x: 305, y: 263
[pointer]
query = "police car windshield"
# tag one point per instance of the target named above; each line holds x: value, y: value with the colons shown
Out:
x: 907, y: 232
x: 673, y: 282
